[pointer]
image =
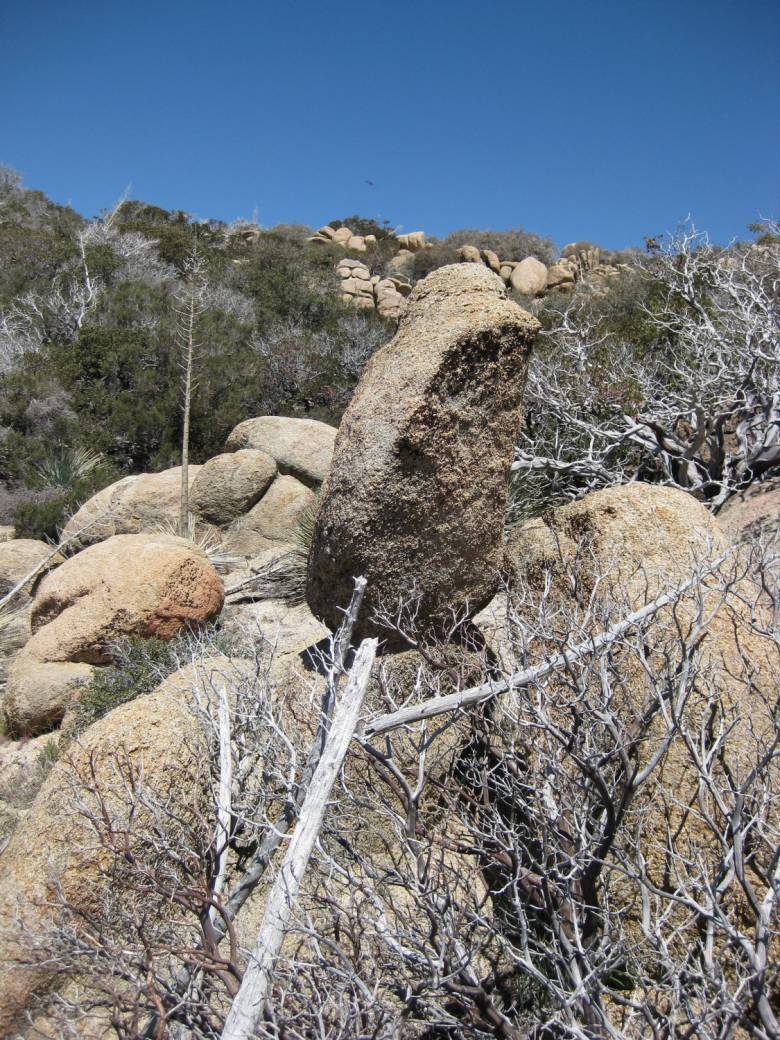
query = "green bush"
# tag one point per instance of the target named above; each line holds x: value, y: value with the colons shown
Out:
x: 42, y: 515
x: 364, y: 226
x: 42, y: 512
x: 288, y: 280
x: 140, y: 666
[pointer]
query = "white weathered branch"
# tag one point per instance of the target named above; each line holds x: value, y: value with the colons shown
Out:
x: 486, y: 691
x: 247, y: 1007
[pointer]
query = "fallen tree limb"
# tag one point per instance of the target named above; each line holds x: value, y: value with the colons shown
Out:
x: 486, y: 691
x: 247, y: 1007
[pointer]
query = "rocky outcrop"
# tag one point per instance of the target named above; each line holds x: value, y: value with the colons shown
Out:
x: 273, y: 520
x: 18, y: 558
x: 23, y: 765
x: 469, y: 255
x: 529, y: 277
x: 362, y: 289
x: 642, y: 536
x: 159, y: 732
x: 562, y: 276
x: 38, y: 693
x: 390, y: 296
x: 342, y: 236
x: 226, y: 493
x: 579, y: 262
x: 302, y: 448
x: 753, y: 512
x: 163, y: 736
x: 416, y: 494
x: 227, y: 486
x: 356, y: 286
x: 628, y: 544
x: 290, y: 630
x: 148, y: 502
x: 413, y: 241
x: 146, y: 585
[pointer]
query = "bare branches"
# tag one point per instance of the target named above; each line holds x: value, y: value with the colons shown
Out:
x: 248, y: 1005
x: 699, y: 410
x: 594, y: 853
x: 530, y: 676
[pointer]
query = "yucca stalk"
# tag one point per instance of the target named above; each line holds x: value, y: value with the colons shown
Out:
x: 189, y: 307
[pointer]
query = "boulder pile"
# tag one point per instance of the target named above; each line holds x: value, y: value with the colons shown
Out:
x: 361, y: 288
x: 146, y: 585
x: 249, y: 498
x: 135, y: 576
x: 531, y: 277
x: 342, y: 236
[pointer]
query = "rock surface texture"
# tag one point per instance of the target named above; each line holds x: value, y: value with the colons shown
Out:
x: 529, y: 277
x: 247, y: 498
x: 148, y: 502
x: 273, y: 520
x: 18, y: 558
x: 158, y: 732
x: 753, y: 512
x: 301, y: 447
x: 227, y: 486
x: 146, y: 585
x: 416, y: 494
x: 629, y: 544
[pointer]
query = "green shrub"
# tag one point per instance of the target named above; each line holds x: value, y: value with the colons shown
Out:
x: 66, y: 466
x: 41, y: 512
x: 140, y: 665
x: 42, y: 515
x: 364, y: 226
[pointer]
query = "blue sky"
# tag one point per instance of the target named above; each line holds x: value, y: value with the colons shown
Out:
x: 604, y: 120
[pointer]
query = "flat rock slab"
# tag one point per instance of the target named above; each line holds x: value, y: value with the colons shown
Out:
x: 416, y: 493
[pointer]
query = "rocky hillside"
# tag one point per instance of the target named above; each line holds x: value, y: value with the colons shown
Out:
x: 433, y: 691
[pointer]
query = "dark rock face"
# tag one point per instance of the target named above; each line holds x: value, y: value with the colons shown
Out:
x: 416, y: 493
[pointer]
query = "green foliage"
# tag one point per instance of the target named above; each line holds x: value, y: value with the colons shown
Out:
x: 48, y: 755
x: 140, y: 666
x: 37, y: 237
x: 30, y: 258
x: 66, y: 466
x: 42, y: 516
x: 43, y: 513
x: 364, y: 226
x: 285, y: 280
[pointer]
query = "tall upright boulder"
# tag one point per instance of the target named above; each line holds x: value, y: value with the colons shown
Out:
x: 416, y: 493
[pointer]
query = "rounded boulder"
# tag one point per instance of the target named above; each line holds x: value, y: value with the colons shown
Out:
x: 227, y: 486
x: 302, y: 448
x: 529, y: 277
x: 150, y: 585
x: 147, y: 502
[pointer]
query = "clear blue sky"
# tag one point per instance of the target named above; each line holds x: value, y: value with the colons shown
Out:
x: 606, y: 120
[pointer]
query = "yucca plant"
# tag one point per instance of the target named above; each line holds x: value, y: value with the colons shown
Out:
x: 206, y: 539
x: 285, y: 577
x: 66, y: 466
